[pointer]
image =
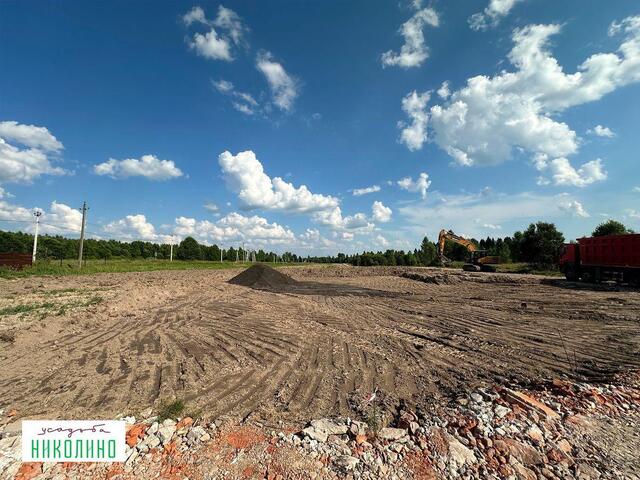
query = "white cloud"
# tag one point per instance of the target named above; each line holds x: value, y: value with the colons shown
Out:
x: 245, y: 176
x: 212, y: 44
x: 357, y: 192
x: 284, y: 88
x: 381, y: 213
x: 333, y: 219
x: 414, y: 105
x: 483, y: 122
x: 59, y: 219
x: 414, y: 51
x: 23, y: 165
x: 30, y: 136
x: 211, y: 207
x: 229, y: 20
x: 563, y: 173
x: 636, y: 189
x: 421, y: 184
x: 492, y: 14
x: 491, y: 226
x: 381, y: 241
x: 600, y: 131
x: 444, y: 92
x: 234, y: 227
x: 635, y: 214
x: 196, y: 14
x: 574, y: 207
x: 148, y: 166
x: 131, y: 227
x: 243, y: 102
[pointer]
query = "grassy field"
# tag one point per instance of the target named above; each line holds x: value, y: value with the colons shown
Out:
x: 70, y: 267
x: 515, y: 268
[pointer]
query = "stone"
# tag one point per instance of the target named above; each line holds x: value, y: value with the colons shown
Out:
x: 329, y: 427
x: 523, y: 472
x: 530, y: 403
x: 459, y: 455
x: 535, y: 434
x: 526, y: 454
x: 198, y: 434
x: 165, y: 432
x: 501, y: 411
x: 391, y: 434
x: 314, y: 434
x: 347, y: 462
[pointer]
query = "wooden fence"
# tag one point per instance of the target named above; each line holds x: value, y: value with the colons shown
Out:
x: 15, y: 261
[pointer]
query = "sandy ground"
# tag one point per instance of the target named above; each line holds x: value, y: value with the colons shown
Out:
x: 304, y: 352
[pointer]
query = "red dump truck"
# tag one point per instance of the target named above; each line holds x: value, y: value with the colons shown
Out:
x: 608, y: 257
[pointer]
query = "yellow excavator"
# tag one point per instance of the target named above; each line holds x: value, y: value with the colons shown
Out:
x: 478, y: 260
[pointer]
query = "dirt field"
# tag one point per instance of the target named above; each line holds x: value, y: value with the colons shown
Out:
x: 110, y: 344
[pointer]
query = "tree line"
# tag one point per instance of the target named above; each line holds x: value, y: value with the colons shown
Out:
x: 539, y: 244
x: 57, y: 247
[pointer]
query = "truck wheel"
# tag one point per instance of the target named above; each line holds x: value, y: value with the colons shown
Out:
x: 570, y: 273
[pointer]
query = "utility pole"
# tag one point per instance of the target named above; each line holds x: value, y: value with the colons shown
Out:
x: 221, y: 252
x: 37, y: 214
x: 84, y: 218
x: 171, y: 252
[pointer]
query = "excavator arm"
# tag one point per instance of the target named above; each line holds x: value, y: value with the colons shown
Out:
x: 478, y: 258
x: 449, y: 235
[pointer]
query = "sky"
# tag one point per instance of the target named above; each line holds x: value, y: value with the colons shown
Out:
x: 318, y: 127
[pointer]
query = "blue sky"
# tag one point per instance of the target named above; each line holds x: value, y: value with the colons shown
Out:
x: 131, y: 106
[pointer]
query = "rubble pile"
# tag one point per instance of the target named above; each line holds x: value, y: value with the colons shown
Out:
x: 494, y: 432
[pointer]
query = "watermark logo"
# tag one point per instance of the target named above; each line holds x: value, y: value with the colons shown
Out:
x: 73, y: 441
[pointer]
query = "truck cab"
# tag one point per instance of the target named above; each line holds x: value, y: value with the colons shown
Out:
x: 570, y: 260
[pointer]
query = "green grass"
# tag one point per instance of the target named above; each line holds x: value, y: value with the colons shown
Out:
x: 26, y: 308
x: 70, y: 267
x: 171, y: 410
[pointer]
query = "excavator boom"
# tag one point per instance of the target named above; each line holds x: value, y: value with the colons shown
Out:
x: 478, y: 261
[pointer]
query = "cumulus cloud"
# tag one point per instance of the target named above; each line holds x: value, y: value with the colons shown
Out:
x: 333, y: 218
x: 234, y: 227
x: 26, y: 152
x: 563, y: 173
x: 492, y: 14
x: 131, y: 227
x: 284, y: 88
x: 381, y: 213
x: 242, y: 101
x: 414, y: 51
x: 148, y: 166
x: 213, y: 44
x: 600, y: 131
x: 414, y: 135
x: 421, y: 184
x: 483, y: 122
x: 59, y: 219
x: 245, y: 176
x: 574, y: 207
x: 357, y: 192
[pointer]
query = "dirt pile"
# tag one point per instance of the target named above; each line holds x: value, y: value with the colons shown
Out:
x: 263, y: 277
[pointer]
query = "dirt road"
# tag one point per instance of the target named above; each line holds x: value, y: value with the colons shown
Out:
x: 304, y: 352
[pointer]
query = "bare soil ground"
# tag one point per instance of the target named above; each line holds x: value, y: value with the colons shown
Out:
x: 303, y: 350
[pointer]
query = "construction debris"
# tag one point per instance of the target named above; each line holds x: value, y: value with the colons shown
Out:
x: 560, y: 430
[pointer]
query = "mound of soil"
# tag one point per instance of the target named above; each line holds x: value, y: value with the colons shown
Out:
x: 263, y: 277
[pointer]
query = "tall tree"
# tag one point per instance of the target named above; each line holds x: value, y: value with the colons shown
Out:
x: 610, y: 227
